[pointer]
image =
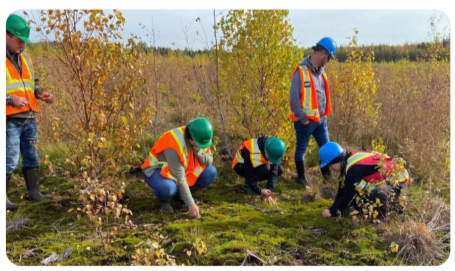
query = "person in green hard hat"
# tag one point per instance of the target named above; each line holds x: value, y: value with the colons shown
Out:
x: 180, y: 163
x: 22, y: 95
x: 258, y: 159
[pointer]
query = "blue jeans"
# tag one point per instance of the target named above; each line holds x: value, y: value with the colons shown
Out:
x: 166, y: 189
x: 318, y: 130
x: 21, y: 136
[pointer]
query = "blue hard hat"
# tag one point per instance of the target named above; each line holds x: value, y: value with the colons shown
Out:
x: 328, y: 152
x: 329, y: 45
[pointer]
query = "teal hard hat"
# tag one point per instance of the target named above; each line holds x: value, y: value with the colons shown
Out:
x: 201, y: 131
x: 329, y: 45
x: 18, y: 26
x: 328, y: 152
x: 275, y: 149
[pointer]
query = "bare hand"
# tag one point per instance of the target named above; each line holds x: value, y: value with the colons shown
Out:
x: 20, y: 102
x: 46, y: 97
x: 266, y: 193
x: 194, y: 211
x: 270, y: 200
x: 326, y: 213
x: 306, y: 122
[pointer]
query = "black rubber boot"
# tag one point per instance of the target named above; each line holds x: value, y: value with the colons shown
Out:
x: 181, y: 203
x: 302, y: 180
x: 246, y: 189
x: 165, y: 206
x: 326, y: 174
x: 9, y: 205
x: 31, y: 176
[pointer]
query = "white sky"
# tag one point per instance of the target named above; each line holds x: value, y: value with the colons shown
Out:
x: 375, y: 26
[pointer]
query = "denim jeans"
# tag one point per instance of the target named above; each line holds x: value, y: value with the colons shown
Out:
x: 21, y: 136
x: 165, y: 188
x: 318, y: 130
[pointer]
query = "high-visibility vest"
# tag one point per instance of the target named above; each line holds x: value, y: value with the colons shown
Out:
x: 21, y: 85
x: 256, y: 156
x: 175, y: 139
x: 373, y: 158
x: 309, y: 96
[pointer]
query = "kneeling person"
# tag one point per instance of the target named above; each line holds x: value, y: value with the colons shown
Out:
x: 181, y: 161
x: 257, y: 160
x: 367, y: 175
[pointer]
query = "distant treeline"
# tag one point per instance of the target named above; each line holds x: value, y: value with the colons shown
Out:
x: 388, y: 53
x: 383, y: 52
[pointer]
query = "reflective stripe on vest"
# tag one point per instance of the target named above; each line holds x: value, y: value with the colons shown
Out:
x: 358, y: 157
x: 368, y: 183
x: 21, y: 85
x: 308, y: 95
x: 256, y: 156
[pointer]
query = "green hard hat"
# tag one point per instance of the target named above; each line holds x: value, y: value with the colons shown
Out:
x: 201, y: 131
x: 275, y: 149
x: 18, y: 26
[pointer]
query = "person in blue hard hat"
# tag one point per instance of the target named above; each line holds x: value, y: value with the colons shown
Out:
x: 310, y: 103
x: 370, y: 176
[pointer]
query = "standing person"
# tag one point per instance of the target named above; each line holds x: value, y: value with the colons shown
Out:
x: 258, y: 159
x: 310, y: 103
x: 368, y: 175
x: 22, y: 93
x: 180, y: 163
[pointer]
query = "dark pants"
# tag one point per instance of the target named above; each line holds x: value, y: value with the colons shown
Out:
x: 260, y: 173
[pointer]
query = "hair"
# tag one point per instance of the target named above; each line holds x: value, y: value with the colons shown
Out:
x: 187, y: 133
x: 318, y: 48
x: 344, y: 162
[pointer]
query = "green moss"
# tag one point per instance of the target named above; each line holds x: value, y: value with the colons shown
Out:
x: 231, y: 223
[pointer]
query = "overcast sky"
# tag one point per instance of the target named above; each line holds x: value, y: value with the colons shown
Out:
x: 375, y: 26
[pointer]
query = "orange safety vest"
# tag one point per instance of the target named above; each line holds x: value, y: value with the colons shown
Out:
x: 256, y: 156
x: 175, y: 139
x: 373, y: 158
x: 22, y: 85
x: 309, y: 97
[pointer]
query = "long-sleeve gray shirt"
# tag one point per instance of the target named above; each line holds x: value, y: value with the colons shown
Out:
x: 295, y: 95
x: 178, y: 170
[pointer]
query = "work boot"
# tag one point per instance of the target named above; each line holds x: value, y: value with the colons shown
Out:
x: 181, y: 202
x: 326, y: 174
x: 165, y: 206
x: 9, y: 205
x: 247, y: 190
x: 31, y: 176
x: 300, y: 165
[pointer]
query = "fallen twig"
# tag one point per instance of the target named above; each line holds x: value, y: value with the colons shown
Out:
x: 252, y: 255
x: 57, y: 257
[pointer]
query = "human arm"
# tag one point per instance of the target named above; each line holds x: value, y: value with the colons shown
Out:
x: 295, y: 96
x: 249, y: 172
x: 178, y: 171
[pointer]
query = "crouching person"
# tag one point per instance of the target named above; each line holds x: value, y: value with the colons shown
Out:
x: 364, y: 177
x: 180, y: 163
x: 257, y: 160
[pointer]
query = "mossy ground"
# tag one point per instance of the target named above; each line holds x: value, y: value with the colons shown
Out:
x: 291, y: 233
